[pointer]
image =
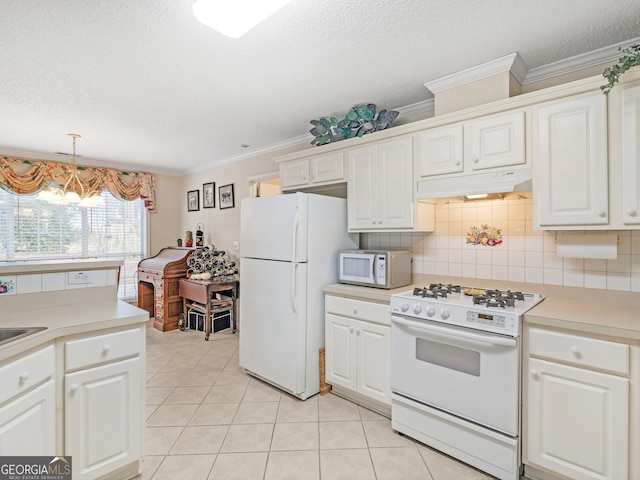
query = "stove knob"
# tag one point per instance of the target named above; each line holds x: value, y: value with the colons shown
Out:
x: 417, y: 309
x: 444, y: 313
x: 431, y: 311
x: 404, y: 307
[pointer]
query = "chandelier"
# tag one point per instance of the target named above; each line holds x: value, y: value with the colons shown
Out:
x: 73, y: 190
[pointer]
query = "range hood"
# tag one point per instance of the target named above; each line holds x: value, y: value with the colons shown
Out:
x: 476, y: 184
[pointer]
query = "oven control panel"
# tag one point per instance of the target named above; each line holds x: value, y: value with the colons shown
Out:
x: 486, y: 319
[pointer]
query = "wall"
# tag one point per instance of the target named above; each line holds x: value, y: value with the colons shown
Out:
x: 221, y: 227
x: 525, y: 254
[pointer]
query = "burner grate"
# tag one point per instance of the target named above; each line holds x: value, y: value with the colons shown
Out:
x: 436, y: 290
x: 498, y: 298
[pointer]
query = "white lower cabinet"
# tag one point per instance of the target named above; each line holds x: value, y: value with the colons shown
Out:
x: 576, y: 411
x: 27, y: 424
x: 357, y: 347
x: 28, y: 405
x: 103, y: 410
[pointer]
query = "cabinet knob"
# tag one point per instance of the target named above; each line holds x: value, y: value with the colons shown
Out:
x: 357, y: 331
x: 23, y: 377
x: 575, y: 350
x: 631, y: 212
x: 350, y: 329
x: 476, y: 160
x: 458, y: 162
x: 355, y: 310
x: 534, y: 373
x: 379, y: 221
x: 601, y: 213
x: 74, y: 387
x: 106, y: 348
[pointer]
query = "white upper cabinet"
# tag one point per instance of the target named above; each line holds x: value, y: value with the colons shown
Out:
x: 631, y: 155
x: 570, y: 164
x: 380, y: 189
x: 313, y: 171
x: 439, y: 151
x: 497, y: 141
x: 492, y: 142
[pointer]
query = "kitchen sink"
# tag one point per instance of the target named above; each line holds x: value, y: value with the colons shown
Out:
x: 10, y: 334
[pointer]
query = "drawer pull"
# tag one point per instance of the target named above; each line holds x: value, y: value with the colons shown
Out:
x: 74, y: 387
x: 106, y: 348
x: 534, y: 373
x: 355, y: 310
x: 575, y: 350
x: 23, y: 377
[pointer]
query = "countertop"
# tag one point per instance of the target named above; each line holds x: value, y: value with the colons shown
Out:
x: 600, y: 312
x: 46, y: 266
x: 63, y: 320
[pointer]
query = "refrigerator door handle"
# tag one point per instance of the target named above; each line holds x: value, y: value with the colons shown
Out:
x: 294, y: 239
x: 294, y: 302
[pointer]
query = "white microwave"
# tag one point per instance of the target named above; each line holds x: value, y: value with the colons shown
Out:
x: 374, y: 268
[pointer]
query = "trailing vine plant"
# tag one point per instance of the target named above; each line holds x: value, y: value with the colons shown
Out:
x: 631, y: 58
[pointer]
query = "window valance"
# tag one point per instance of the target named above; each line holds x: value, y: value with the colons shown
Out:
x: 24, y: 176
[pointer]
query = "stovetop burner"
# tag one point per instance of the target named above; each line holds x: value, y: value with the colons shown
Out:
x: 498, y: 298
x: 436, y: 290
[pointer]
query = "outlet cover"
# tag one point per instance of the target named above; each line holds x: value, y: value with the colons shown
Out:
x: 78, y: 278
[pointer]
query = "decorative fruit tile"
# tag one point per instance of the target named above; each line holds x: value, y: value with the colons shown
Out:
x: 8, y: 285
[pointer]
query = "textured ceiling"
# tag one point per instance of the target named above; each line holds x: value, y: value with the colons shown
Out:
x: 149, y: 87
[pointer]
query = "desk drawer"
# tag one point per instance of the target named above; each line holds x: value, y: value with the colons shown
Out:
x: 22, y: 374
x: 101, y: 349
x: 583, y: 351
x: 362, y: 310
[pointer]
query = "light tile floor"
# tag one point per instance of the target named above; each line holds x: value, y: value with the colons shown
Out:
x: 207, y: 419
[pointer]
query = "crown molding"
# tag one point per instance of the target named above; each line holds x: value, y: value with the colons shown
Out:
x: 509, y: 63
x: 420, y: 108
x: 578, y: 62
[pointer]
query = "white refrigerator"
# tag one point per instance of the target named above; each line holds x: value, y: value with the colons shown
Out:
x: 289, y: 246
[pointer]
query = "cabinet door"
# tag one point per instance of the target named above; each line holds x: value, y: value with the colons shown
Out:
x: 631, y: 155
x: 362, y: 188
x: 577, y: 421
x: 327, y: 168
x: 103, y: 418
x: 498, y: 141
x: 439, y: 151
x: 294, y: 174
x: 340, y: 351
x: 28, y: 424
x: 374, y: 361
x: 570, y: 161
x: 395, y: 177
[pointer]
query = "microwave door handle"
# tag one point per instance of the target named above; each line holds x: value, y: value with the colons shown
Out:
x: 373, y: 270
x: 446, y: 332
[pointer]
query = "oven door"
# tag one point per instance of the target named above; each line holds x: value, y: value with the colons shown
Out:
x: 470, y: 374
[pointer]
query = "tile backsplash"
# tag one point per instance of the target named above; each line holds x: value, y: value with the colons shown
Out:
x: 523, y: 255
x: 53, y: 281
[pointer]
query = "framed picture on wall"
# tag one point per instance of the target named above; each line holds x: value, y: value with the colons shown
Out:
x: 193, y: 200
x: 209, y: 195
x: 226, y: 196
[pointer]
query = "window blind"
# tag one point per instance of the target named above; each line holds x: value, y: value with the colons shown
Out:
x: 33, y: 229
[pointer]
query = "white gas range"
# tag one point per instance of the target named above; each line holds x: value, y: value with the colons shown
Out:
x: 455, y: 372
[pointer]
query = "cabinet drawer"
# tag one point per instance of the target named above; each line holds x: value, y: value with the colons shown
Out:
x: 583, y: 351
x: 146, y: 277
x: 359, y: 309
x: 101, y: 349
x: 22, y: 374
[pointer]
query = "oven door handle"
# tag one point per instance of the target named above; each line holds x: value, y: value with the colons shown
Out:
x: 459, y: 333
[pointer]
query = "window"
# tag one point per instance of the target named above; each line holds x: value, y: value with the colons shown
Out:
x: 33, y: 229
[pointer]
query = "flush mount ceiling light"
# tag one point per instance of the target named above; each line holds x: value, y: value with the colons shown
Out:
x: 234, y: 18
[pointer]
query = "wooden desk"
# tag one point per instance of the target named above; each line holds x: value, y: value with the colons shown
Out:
x: 201, y: 291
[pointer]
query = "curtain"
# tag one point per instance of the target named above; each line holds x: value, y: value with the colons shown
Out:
x: 23, y: 176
